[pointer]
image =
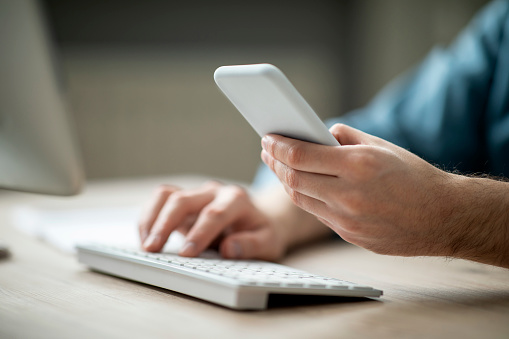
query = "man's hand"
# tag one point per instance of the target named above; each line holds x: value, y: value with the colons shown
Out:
x: 386, y: 199
x: 212, y: 213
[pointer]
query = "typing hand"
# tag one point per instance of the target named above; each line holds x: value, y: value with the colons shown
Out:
x: 369, y: 191
x: 210, y: 213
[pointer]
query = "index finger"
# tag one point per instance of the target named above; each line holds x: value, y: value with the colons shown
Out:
x: 302, y: 155
x: 153, y: 209
x: 228, y: 207
x: 178, y: 208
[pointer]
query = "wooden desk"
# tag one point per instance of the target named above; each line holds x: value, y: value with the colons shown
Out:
x: 45, y: 293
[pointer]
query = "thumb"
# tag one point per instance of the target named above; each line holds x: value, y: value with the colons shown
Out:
x: 251, y: 244
x: 347, y: 135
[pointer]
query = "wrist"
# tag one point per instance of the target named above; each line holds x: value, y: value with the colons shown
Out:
x: 479, y: 222
x: 293, y: 225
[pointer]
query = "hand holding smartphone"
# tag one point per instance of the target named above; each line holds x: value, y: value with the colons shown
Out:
x: 271, y: 104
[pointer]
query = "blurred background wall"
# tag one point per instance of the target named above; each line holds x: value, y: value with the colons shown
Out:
x: 139, y: 73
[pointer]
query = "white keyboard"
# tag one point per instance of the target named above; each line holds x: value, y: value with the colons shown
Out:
x: 238, y: 284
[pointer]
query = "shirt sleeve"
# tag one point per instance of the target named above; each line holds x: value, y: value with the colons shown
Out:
x: 439, y: 109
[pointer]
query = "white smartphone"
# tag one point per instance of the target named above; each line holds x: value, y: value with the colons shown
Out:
x: 270, y: 103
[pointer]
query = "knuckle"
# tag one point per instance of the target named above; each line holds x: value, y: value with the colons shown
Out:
x: 295, y: 196
x: 237, y: 192
x: 367, y: 160
x: 269, y: 161
x: 162, y: 190
x: 214, y: 213
x: 338, y: 128
x: 270, y: 146
x: 291, y: 178
x: 294, y: 156
x: 365, y: 165
x: 179, y: 198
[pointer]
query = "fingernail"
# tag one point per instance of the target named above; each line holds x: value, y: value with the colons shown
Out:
x: 151, y: 240
x: 235, y: 250
x: 188, y: 249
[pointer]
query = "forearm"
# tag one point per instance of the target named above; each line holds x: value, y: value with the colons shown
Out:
x: 481, y: 232
x: 297, y: 226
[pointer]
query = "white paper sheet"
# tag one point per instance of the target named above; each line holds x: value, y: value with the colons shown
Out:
x: 65, y: 228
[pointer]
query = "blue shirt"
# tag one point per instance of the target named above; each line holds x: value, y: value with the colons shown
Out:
x: 453, y: 109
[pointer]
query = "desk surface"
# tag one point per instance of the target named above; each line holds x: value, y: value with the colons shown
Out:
x: 45, y: 293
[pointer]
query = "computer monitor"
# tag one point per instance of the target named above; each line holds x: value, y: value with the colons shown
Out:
x: 38, y: 146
